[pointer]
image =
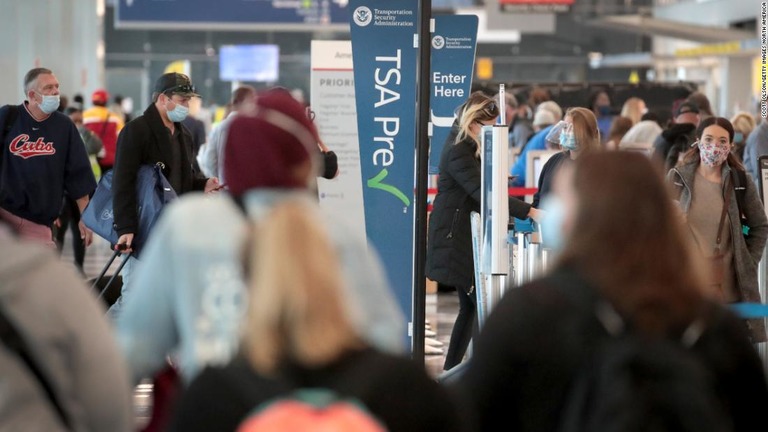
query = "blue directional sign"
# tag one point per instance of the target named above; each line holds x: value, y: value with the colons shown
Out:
x: 385, y: 59
x: 232, y: 14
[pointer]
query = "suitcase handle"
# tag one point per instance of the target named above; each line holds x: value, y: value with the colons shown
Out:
x: 106, y: 268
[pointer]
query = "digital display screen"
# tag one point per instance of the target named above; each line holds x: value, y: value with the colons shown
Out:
x: 256, y: 63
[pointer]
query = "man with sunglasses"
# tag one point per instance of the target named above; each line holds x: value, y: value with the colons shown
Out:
x: 156, y: 136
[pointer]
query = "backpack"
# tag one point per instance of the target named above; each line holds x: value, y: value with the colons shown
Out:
x: 636, y: 384
x: 10, y: 119
x: 738, y: 181
x: 13, y: 341
x: 311, y: 409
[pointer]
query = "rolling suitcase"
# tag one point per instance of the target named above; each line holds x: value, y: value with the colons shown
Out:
x: 109, y: 288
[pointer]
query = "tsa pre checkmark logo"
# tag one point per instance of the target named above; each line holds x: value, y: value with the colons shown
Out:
x: 362, y: 16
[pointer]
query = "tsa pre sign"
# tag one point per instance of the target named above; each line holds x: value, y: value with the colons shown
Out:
x: 384, y: 59
x: 453, y: 56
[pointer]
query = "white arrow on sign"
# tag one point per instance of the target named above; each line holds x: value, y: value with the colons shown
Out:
x: 441, y: 121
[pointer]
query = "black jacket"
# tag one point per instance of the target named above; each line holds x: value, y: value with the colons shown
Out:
x: 449, y: 245
x: 146, y: 141
x: 672, y: 142
x: 547, y: 176
x: 539, y: 336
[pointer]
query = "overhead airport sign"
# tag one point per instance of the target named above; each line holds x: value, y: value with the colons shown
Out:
x: 720, y: 49
x: 535, y: 6
x: 233, y: 14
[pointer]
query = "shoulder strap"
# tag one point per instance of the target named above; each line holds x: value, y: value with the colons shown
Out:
x: 739, y: 179
x: 678, y: 183
x: 104, y: 126
x: 726, y: 201
x: 10, y: 119
x: 14, y: 342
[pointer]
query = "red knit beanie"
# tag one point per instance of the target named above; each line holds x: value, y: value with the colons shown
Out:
x: 263, y: 148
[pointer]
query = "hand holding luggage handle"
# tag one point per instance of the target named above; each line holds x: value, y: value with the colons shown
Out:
x: 118, y: 250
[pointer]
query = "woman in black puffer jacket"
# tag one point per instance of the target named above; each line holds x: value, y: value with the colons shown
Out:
x: 449, y: 247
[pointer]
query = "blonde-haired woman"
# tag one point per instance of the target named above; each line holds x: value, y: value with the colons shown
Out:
x: 449, y: 248
x: 298, y: 337
x: 633, y: 109
x: 577, y: 134
x: 743, y: 125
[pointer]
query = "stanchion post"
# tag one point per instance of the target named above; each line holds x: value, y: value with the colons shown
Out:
x: 520, y: 265
x: 534, y: 260
x: 495, y: 209
x: 422, y: 162
x: 762, y: 269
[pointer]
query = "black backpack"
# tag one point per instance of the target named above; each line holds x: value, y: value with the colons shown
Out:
x: 633, y: 383
x: 10, y: 118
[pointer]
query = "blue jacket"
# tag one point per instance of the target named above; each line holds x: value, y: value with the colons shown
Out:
x: 189, y: 295
x: 537, y: 142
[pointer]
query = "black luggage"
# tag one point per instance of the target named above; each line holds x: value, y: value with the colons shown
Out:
x: 109, y: 288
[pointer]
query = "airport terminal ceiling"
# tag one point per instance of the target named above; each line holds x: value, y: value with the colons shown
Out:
x: 557, y: 57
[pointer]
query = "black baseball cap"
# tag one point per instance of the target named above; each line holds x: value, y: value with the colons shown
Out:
x: 175, y: 83
x: 687, y: 107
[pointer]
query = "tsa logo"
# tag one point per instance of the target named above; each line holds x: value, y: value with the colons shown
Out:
x: 438, y: 42
x: 107, y: 215
x: 362, y: 16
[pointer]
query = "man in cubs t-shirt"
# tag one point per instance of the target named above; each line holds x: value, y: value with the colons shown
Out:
x: 42, y: 156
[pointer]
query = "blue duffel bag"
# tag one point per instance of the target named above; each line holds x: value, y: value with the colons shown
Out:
x: 153, y: 192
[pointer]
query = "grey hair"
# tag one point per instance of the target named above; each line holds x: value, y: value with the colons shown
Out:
x: 30, y: 79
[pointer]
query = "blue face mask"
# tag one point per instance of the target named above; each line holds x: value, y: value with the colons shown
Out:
x: 568, y: 140
x: 50, y: 103
x: 552, y: 222
x: 178, y: 114
x: 738, y: 137
x: 604, y: 110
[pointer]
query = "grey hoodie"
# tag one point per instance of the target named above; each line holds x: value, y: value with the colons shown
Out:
x: 748, y: 251
x: 190, y: 297
x: 66, y: 331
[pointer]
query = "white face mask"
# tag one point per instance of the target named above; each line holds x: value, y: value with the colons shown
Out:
x: 177, y: 114
x: 49, y: 103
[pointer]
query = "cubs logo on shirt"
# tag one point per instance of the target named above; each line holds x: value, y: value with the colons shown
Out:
x: 22, y: 147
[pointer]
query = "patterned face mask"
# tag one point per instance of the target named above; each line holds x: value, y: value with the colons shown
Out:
x: 713, y: 153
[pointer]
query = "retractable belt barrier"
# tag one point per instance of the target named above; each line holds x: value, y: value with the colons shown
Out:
x: 530, y: 259
x: 749, y: 310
